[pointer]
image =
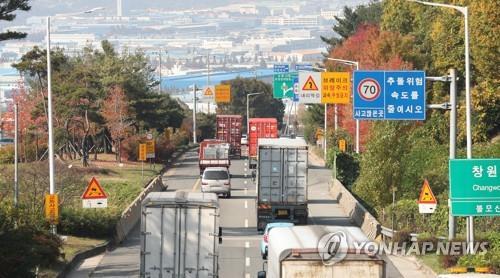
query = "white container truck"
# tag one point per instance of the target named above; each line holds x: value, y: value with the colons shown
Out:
x: 281, y: 181
x: 301, y: 251
x: 180, y: 235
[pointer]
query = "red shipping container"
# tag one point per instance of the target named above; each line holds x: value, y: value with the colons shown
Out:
x: 213, y: 153
x: 260, y: 128
x: 229, y: 130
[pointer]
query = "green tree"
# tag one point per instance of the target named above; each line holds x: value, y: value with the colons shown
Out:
x: 7, y: 9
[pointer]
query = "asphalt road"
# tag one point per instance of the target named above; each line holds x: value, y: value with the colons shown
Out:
x: 239, y: 252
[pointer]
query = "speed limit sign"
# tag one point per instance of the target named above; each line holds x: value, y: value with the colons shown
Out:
x: 369, y: 89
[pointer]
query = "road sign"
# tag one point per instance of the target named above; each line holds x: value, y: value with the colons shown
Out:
x: 223, y: 93
x: 296, y: 89
x: 475, y: 187
x: 150, y: 149
x: 427, y: 202
x: 336, y: 87
x: 309, y: 87
x: 389, y: 95
x: 149, y: 136
x: 281, y: 68
x: 283, y: 84
x: 94, y: 196
x: 342, y: 145
x: 142, y: 152
x: 208, y: 94
x: 52, y: 208
x: 299, y: 67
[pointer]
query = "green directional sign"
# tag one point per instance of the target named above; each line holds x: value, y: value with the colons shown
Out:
x: 475, y: 187
x: 283, y: 84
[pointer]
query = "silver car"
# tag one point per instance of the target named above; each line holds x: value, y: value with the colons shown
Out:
x: 216, y: 180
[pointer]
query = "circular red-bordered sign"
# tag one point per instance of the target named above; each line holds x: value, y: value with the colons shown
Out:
x: 369, y: 89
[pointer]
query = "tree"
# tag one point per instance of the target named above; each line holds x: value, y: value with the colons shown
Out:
x: 261, y: 106
x: 7, y: 9
x: 115, y: 112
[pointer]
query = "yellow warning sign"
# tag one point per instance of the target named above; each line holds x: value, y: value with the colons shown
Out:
x: 223, y: 93
x: 150, y: 149
x: 336, y: 87
x: 94, y: 190
x: 52, y: 208
x: 310, y: 85
x: 342, y: 145
x: 426, y: 195
x: 142, y: 152
x: 208, y: 92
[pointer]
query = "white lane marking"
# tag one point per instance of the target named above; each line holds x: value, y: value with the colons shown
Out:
x: 247, y: 261
x: 245, y: 169
x: 246, y: 175
x: 246, y: 164
x: 247, y: 275
x: 247, y: 244
x: 246, y: 191
x: 246, y: 204
x: 245, y: 182
x: 246, y: 223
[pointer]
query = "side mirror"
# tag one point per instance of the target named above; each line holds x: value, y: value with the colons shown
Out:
x: 261, y: 274
x: 220, y: 235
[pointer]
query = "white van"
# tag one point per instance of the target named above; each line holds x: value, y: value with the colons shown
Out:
x: 216, y: 180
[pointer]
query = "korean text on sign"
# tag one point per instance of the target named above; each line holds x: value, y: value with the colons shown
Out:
x: 336, y: 87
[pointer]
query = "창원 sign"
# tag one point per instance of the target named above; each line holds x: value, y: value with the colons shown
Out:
x: 475, y: 187
x: 389, y: 95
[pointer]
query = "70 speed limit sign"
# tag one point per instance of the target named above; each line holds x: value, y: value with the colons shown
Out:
x: 369, y: 89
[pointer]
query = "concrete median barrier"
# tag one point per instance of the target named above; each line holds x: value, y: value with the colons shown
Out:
x: 352, y: 207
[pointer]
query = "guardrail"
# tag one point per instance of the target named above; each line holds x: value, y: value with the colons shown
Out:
x: 388, y: 233
x: 352, y: 207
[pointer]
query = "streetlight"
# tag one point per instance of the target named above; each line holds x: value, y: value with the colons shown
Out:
x: 248, y: 112
x: 465, y: 12
x: 52, y: 186
x: 351, y: 63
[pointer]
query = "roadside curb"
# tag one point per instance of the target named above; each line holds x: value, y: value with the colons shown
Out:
x: 420, y: 265
x: 81, y: 256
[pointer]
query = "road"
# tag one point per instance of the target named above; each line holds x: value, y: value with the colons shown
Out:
x: 239, y: 252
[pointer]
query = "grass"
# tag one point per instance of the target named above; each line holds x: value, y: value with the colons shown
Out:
x: 432, y: 261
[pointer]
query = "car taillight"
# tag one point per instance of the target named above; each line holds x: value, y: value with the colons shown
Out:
x: 204, y: 183
x: 266, y: 238
x: 226, y: 183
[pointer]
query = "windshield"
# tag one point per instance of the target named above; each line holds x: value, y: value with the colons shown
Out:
x: 216, y: 175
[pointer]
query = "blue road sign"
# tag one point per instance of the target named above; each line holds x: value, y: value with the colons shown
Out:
x: 301, y: 67
x: 296, y: 89
x: 281, y: 68
x: 389, y: 95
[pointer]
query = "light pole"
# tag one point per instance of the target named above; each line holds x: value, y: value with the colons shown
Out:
x: 351, y: 63
x: 465, y: 12
x: 248, y: 111
x: 52, y: 186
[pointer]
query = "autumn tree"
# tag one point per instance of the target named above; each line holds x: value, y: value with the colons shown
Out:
x: 115, y: 111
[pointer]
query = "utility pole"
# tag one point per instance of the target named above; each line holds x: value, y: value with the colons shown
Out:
x: 159, y: 66
x: 208, y: 79
x: 16, y: 154
x: 194, y: 114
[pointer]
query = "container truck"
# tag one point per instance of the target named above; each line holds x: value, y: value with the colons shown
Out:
x: 282, y: 181
x: 228, y: 129
x: 180, y: 235
x: 259, y: 128
x: 213, y: 153
x: 306, y: 251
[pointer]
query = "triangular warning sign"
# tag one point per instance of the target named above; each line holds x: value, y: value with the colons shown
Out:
x: 94, y: 190
x: 310, y: 85
x: 426, y: 195
x: 208, y: 92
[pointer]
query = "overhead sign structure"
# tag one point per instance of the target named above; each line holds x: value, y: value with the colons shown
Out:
x: 223, y: 93
x: 389, y: 95
x: 281, y: 68
x: 150, y: 149
x: 427, y: 202
x: 475, y: 187
x: 142, y: 152
x: 94, y: 196
x: 52, y: 208
x: 336, y: 87
x: 283, y: 84
x: 310, y: 87
x: 208, y: 94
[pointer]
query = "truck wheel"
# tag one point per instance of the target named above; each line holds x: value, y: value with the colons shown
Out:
x: 228, y: 195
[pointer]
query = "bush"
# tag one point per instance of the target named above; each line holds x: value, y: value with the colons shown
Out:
x: 402, y: 236
x: 97, y: 223
x: 427, y: 237
x: 448, y: 260
x: 347, y: 166
x: 7, y: 154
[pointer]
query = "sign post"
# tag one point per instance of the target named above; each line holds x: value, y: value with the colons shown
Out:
x: 142, y: 158
x: 389, y: 95
x: 427, y: 202
x: 94, y: 196
x: 475, y: 187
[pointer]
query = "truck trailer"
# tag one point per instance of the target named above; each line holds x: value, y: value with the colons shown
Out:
x: 180, y: 235
x: 282, y: 181
x: 306, y: 251
x: 259, y: 128
x: 228, y: 129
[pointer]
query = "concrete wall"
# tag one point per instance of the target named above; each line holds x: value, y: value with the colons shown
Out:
x: 358, y: 214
